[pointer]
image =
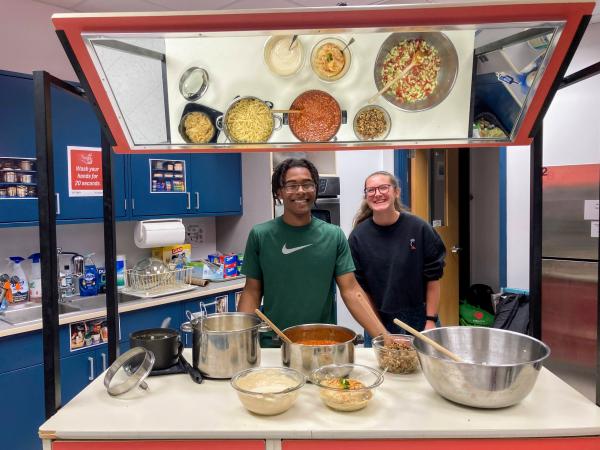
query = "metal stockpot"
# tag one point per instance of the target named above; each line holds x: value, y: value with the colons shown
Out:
x: 306, y: 358
x: 221, y: 121
x: 226, y: 343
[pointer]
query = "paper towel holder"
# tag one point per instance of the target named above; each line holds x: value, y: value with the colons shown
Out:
x: 174, y: 227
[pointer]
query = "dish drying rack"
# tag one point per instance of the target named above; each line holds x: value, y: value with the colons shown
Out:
x: 159, y: 284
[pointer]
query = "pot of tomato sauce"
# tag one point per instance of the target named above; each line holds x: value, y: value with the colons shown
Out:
x: 320, y: 117
x: 315, y: 345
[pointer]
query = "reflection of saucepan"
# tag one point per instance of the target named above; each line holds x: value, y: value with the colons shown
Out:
x: 320, y: 118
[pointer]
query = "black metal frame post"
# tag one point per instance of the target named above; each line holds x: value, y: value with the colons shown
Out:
x: 47, y: 236
x: 110, y: 251
x: 535, y: 234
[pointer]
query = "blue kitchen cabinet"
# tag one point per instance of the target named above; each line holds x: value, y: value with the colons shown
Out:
x: 81, y: 369
x: 194, y: 306
x: 217, y: 183
x: 74, y: 123
x: 150, y: 175
x: 22, y: 408
x: 149, y: 318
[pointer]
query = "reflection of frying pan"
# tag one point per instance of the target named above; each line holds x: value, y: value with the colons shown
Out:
x: 446, y: 75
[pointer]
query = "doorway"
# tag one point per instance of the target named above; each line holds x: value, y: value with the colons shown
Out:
x: 434, y: 196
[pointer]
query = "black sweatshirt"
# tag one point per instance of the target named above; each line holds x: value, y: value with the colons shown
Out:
x: 395, y: 262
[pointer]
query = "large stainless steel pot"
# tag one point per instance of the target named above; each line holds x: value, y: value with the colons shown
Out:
x: 306, y: 358
x: 226, y: 343
x: 221, y: 121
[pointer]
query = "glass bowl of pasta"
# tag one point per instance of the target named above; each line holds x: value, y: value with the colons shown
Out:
x: 330, y: 59
x: 346, y: 387
x: 249, y: 120
x: 431, y: 78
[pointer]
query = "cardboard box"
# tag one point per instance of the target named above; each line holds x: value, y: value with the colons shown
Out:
x: 205, y: 271
x: 177, y: 254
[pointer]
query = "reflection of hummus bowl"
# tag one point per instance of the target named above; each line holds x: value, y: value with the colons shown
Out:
x: 330, y: 59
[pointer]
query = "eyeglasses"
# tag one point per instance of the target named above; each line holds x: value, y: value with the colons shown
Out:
x: 382, y: 188
x: 294, y: 187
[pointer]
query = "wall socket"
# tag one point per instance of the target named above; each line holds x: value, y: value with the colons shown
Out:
x: 194, y: 234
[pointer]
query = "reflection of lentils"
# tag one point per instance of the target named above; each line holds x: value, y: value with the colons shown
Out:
x: 371, y: 123
x: 398, y: 357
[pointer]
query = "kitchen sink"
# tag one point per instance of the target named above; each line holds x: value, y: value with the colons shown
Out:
x: 30, y: 312
x: 85, y: 303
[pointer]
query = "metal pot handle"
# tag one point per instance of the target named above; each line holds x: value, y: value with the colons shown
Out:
x: 187, y: 327
x: 359, y: 339
x: 263, y: 327
x: 278, y: 119
x: 219, y: 123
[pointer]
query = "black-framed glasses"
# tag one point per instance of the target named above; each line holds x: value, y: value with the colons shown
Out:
x: 382, y: 188
x: 295, y: 187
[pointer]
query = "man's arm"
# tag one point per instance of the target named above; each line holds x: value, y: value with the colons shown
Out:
x: 251, y: 296
x: 432, y: 301
x: 359, y: 305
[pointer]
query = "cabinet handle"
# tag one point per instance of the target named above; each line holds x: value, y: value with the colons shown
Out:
x: 197, y: 200
x: 125, y: 204
x: 132, y: 204
x: 57, y: 203
x: 103, y: 361
x: 186, y: 336
x: 91, y: 360
x: 189, y: 201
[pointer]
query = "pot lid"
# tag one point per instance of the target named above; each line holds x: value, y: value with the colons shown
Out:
x: 129, y: 371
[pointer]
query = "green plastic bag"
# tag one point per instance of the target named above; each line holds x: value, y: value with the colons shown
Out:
x: 473, y: 316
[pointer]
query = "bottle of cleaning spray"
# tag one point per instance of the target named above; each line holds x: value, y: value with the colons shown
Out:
x: 17, y: 279
x: 88, y: 283
x: 35, y: 280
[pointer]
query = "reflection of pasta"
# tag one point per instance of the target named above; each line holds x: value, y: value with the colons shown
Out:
x: 421, y: 80
x: 198, y: 127
x: 249, y: 120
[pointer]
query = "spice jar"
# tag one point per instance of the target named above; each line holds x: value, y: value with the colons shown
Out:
x: 11, y: 191
x: 2, y: 192
x: 31, y: 191
x: 170, y: 166
x: 10, y: 177
x: 26, y: 164
x: 21, y: 191
x: 178, y: 166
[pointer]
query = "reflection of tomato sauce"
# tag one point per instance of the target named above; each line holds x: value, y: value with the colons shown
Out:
x: 320, y: 118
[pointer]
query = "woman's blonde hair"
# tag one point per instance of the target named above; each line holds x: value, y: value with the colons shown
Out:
x: 364, y: 212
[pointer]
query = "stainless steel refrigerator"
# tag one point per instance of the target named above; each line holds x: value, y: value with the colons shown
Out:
x: 570, y: 272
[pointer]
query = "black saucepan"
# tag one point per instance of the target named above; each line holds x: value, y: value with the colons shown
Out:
x: 163, y: 342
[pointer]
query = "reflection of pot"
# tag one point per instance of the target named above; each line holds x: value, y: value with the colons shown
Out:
x: 320, y: 118
x: 306, y: 358
x: 225, y: 123
x: 225, y: 343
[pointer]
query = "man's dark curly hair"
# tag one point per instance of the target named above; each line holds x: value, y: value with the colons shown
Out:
x: 278, y: 177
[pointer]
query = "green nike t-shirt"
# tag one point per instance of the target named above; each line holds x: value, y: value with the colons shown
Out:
x: 297, y: 267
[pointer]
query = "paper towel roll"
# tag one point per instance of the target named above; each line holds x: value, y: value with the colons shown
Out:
x: 159, y: 233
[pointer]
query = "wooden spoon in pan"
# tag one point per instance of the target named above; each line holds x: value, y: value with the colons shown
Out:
x: 273, y: 326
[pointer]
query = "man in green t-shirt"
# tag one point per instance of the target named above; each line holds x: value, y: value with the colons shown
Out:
x: 291, y: 262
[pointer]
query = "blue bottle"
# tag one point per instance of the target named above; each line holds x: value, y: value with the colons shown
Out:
x: 89, y: 282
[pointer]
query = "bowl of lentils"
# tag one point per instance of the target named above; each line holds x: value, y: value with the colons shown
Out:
x: 372, y: 122
x: 397, y: 353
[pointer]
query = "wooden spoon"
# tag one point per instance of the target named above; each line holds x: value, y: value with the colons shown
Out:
x: 416, y: 60
x: 430, y: 341
x: 273, y: 326
x: 289, y: 111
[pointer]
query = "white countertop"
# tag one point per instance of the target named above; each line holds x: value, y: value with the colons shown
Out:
x: 404, y: 406
x: 212, y: 288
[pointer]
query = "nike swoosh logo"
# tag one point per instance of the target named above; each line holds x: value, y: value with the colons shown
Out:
x: 287, y: 251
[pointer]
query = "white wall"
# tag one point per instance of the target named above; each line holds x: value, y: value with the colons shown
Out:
x: 571, y: 136
x: 484, y: 209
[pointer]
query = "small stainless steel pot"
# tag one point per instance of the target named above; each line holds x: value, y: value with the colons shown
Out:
x: 224, y: 344
x: 221, y: 121
x: 307, y: 358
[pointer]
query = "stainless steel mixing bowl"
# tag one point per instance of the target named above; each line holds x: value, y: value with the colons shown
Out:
x: 445, y: 77
x: 500, y: 366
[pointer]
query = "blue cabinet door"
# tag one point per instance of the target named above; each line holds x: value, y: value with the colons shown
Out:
x: 76, y: 372
x: 149, y: 318
x: 74, y: 123
x: 149, y: 176
x: 17, y: 139
x: 217, y: 183
x: 22, y: 408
